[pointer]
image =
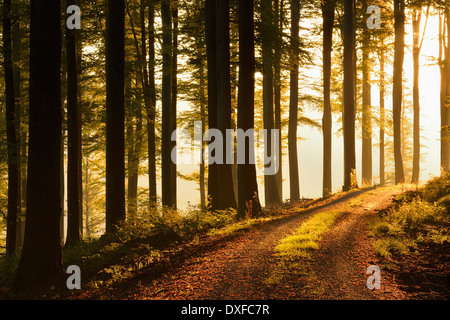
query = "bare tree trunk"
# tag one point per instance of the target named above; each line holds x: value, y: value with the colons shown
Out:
x: 151, y: 110
x: 248, y: 199
x: 174, y: 95
x: 277, y: 89
x: 74, y: 197
x: 115, y: 112
x: 349, y: 97
x: 166, y: 160
x: 417, y: 14
x: 294, y: 182
x: 382, y: 115
x: 328, y: 9
x: 366, y: 108
x: 224, y: 171
x: 211, y: 52
x: 270, y: 181
x: 41, y: 258
x: 399, y: 25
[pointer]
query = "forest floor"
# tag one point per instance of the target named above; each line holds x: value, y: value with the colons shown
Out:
x: 241, y: 266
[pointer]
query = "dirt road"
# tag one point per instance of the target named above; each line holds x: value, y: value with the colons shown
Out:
x: 238, y: 268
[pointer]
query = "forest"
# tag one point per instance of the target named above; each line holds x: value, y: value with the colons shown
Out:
x: 135, y: 134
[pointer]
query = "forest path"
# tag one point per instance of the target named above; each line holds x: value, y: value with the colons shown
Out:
x: 238, y: 268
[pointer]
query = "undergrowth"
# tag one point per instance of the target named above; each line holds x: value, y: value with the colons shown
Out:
x: 418, y: 216
x: 140, y: 242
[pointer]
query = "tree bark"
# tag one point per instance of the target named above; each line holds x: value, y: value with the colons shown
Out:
x: 445, y: 161
x: 41, y: 258
x: 166, y: 160
x: 151, y: 110
x: 277, y: 89
x: 74, y: 196
x: 294, y: 182
x: 115, y: 114
x: 349, y: 97
x: 328, y: 9
x: 382, y: 114
x: 399, y: 26
x: 366, y: 164
x: 417, y: 14
x: 270, y: 181
x: 174, y: 95
x: 224, y: 171
x: 247, y: 183
x: 210, y: 32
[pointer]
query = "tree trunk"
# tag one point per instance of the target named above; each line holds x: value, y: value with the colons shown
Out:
x: 366, y: 164
x: 16, y: 37
x: 41, y: 258
x: 13, y: 147
x: 328, y: 9
x: 417, y: 14
x: 277, y: 89
x: 445, y: 161
x: 166, y: 160
x: 174, y: 96
x: 270, y: 181
x: 399, y: 26
x: 349, y: 98
x: 74, y: 209
x: 382, y: 114
x: 247, y: 183
x: 115, y: 113
x: 446, y: 99
x: 224, y: 171
x: 203, y: 119
x: 210, y: 32
x: 151, y: 110
x: 294, y: 182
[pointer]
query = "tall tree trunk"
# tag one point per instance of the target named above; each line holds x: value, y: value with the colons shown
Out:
x: 115, y: 113
x: 349, y: 98
x: 366, y: 164
x: 13, y: 147
x: 211, y: 52
x: 445, y: 143
x: 41, y: 258
x: 224, y: 171
x: 382, y: 113
x: 277, y: 88
x: 174, y: 96
x: 445, y: 161
x: 203, y: 120
x: 16, y: 37
x: 294, y: 182
x: 417, y: 14
x: 74, y: 197
x: 247, y: 183
x: 270, y: 181
x: 151, y: 110
x: 166, y: 160
x: 328, y: 8
x: 399, y: 26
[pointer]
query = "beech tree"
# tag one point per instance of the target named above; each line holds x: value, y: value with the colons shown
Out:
x: 247, y: 184
x: 399, y: 26
x: 115, y: 114
x: 328, y: 9
x: 349, y: 97
x: 41, y: 258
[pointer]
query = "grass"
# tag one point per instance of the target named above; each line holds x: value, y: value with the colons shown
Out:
x: 293, y: 252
